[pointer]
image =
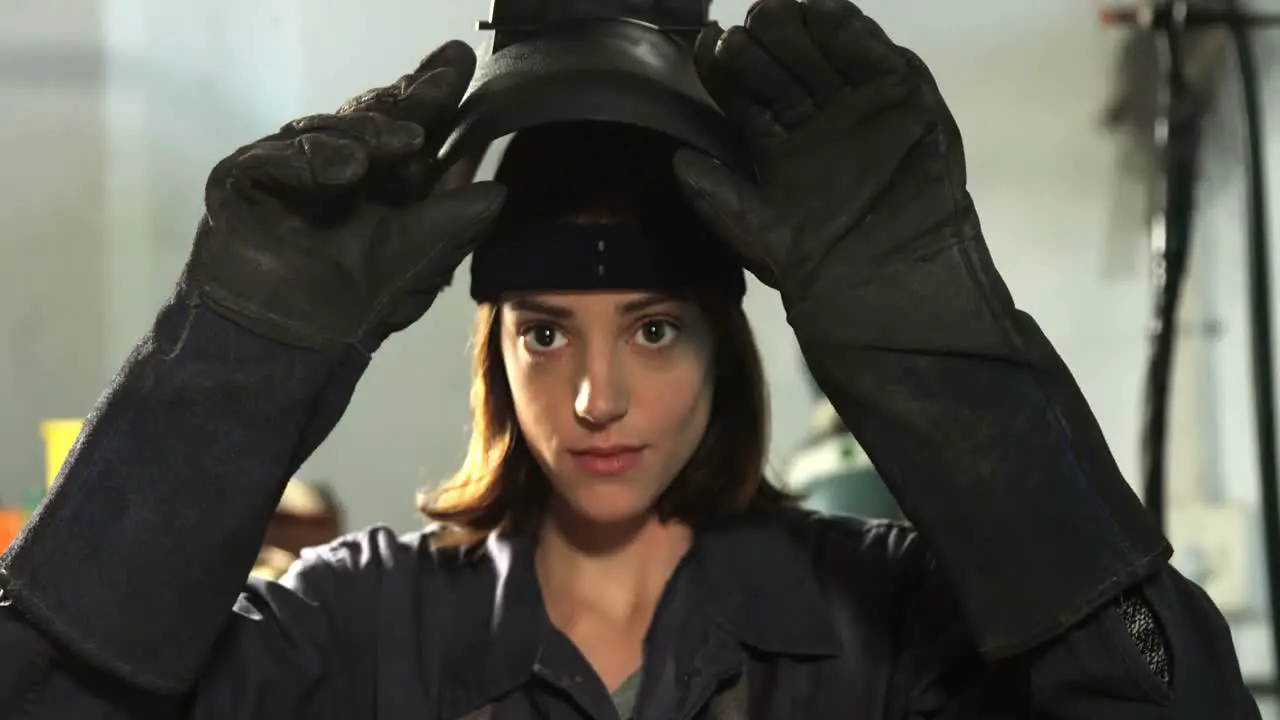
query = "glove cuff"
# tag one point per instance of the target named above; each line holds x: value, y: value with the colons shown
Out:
x: 134, y: 559
x: 984, y: 438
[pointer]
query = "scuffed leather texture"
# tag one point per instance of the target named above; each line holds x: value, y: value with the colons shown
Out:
x: 861, y: 218
x: 325, y: 235
x: 995, y: 457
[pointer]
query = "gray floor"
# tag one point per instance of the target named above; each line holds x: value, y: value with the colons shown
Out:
x: 1270, y: 708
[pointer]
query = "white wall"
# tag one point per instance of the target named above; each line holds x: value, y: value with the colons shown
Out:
x: 51, y: 288
x: 103, y: 164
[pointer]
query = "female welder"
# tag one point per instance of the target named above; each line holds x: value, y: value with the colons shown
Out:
x: 610, y: 548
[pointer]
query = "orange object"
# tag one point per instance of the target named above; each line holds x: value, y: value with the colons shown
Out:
x: 11, y: 522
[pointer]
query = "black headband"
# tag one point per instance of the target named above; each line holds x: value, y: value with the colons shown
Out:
x: 595, y: 206
x: 572, y: 256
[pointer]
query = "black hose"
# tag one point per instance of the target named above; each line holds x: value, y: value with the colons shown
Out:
x: 1260, y: 316
x: 1180, y: 147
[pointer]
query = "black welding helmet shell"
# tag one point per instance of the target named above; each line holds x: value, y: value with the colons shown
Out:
x: 607, y: 70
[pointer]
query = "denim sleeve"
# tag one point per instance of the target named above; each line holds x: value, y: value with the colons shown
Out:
x: 296, y: 649
x: 274, y: 660
x: 1097, y: 670
x: 1100, y: 670
x: 134, y: 558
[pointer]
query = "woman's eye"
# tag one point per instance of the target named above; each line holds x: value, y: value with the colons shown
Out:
x: 541, y: 338
x: 657, y: 333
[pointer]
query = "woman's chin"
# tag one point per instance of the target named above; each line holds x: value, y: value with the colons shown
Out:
x: 610, y: 506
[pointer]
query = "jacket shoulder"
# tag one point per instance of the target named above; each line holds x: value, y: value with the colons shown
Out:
x: 379, y: 550
x: 858, y: 544
x: 883, y: 567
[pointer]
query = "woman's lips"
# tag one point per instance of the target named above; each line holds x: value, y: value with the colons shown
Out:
x: 607, y: 461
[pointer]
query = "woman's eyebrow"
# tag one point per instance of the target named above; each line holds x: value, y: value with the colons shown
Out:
x: 643, y: 303
x: 542, y: 308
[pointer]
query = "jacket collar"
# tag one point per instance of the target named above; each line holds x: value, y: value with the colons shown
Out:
x: 757, y: 583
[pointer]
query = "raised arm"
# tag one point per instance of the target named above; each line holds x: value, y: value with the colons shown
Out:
x: 318, y: 242
x: 862, y: 219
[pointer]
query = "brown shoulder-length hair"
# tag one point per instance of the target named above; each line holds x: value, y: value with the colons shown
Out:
x: 500, y: 486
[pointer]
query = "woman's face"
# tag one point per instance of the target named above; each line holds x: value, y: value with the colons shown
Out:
x: 612, y: 392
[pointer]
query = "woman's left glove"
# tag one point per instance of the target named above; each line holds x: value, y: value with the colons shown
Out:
x: 862, y: 220
x: 861, y: 164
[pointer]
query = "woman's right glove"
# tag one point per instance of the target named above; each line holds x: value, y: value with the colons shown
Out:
x: 321, y: 240
x: 325, y: 234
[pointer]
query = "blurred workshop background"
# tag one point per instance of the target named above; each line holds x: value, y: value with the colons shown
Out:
x: 112, y: 112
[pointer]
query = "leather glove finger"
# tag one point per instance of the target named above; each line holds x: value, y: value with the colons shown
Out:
x: 456, y: 221
x: 735, y: 211
x: 398, y: 152
x: 382, y: 136
x: 759, y: 77
x: 330, y: 152
x: 778, y: 26
x: 757, y: 122
x: 450, y: 66
x: 311, y: 163
x: 853, y: 44
x: 428, y: 96
x: 431, y: 103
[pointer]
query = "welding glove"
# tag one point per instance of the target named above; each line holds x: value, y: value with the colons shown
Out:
x: 325, y: 234
x: 861, y: 218
x: 318, y: 242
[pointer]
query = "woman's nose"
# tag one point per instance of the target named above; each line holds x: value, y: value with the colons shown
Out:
x: 602, y: 394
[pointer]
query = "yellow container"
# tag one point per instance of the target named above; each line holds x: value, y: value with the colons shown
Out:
x: 59, y: 437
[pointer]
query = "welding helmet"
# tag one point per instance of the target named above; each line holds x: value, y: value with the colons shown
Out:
x: 557, y: 61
